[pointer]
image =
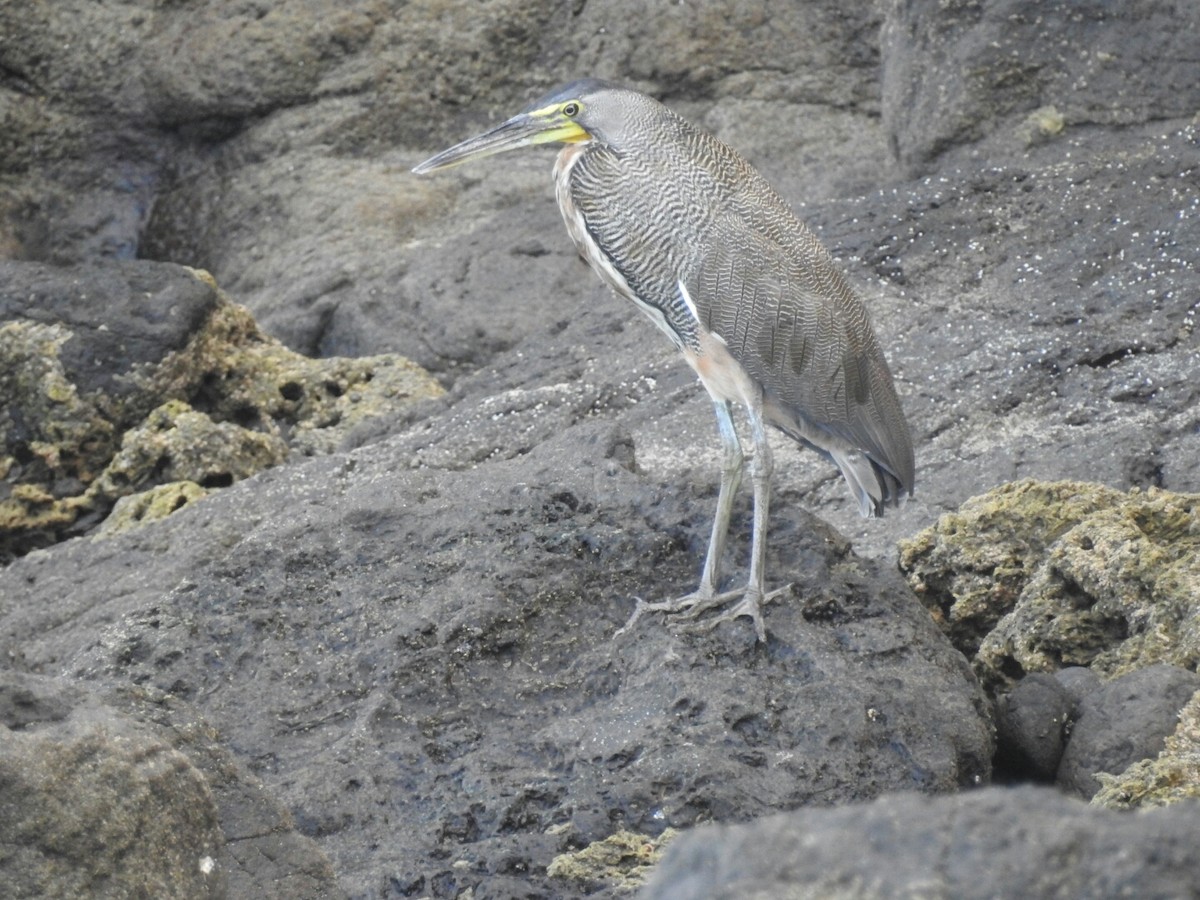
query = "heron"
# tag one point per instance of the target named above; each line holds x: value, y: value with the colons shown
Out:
x: 675, y: 220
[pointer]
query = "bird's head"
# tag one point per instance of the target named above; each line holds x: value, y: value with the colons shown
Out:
x: 580, y: 111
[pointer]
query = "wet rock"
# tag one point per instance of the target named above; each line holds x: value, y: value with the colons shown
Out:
x: 263, y: 145
x: 1123, y: 722
x: 987, y: 843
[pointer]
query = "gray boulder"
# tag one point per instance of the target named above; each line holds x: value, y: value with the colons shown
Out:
x: 128, y: 793
x: 1123, y: 722
x: 1024, y: 842
x: 420, y: 660
x: 408, y: 641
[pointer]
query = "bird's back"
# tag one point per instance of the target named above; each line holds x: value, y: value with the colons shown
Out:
x: 676, y: 207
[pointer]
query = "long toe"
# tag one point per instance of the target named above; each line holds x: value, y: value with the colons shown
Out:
x: 688, y: 606
x: 691, y: 606
x: 751, y: 605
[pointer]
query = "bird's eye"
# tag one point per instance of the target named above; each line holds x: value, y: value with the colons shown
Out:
x: 571, y: 110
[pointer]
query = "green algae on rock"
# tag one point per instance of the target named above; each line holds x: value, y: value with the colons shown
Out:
x: 622, y: 861
x: 126, y: 376
x: 1173, y: 776
x: 1036, y: 576
x: 156, y: 503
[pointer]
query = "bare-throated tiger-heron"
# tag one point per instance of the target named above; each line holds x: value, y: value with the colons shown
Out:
x: 679, y: 223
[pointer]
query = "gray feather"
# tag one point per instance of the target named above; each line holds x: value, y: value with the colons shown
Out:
x: 690, y: 210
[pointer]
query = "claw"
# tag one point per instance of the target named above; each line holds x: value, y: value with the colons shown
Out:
x: 693, y: 605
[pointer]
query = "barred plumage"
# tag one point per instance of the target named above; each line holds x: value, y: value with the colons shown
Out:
x: 677, y: 221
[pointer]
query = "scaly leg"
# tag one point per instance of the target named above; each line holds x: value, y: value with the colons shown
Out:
x: 705, y: 597
x: 731, y: 477
x: 761, y: 468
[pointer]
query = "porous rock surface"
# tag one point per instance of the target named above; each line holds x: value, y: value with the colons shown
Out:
x: 1077, y: 605
x: 123, y: 378
x: 1037, y: 576
x: 127, y: 792
x: 410, y: 643
x: 1025, y: 842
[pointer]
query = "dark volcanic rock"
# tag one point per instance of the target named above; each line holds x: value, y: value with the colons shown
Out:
x: 1172, y: 776
x: 421, y: 662
x: 962, y: 74
x: 1122, y: 722
x: 127, y: 377
x: 130, y: 794
x: 990, y: 843
x: 410, y: 644
x: 1032, y: 721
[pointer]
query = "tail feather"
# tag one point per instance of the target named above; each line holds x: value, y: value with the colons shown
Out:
x: 871, y: 484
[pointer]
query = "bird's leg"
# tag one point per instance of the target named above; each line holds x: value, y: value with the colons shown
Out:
x: 705, y: 596
x: 761, y: 467
x: 731, y: 477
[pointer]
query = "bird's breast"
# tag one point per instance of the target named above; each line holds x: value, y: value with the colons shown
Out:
x: 604, y: 259
x: 629, y: 230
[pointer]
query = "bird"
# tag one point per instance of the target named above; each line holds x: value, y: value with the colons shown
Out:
x: 677, y: 221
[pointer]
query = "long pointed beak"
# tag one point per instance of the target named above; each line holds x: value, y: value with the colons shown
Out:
x: 519, y: 131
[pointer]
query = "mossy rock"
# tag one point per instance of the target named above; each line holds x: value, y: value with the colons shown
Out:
x: 1036, y: 576
x: 1173, y: 776
x: 191, y: 390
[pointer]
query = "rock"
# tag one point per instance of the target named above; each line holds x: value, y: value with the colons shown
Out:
x: 987, y: 843
x: 956, y: 74
x: 1173, y: 776
x: 262, y: 146
x: 1123, y: 722
x: 291, y: 183
x: 132, y: 375
x: 176, y: 443
x: 1034, y: 577
x: 128, y: 794
x: 1031, y: 728
x: 410, y: 642
x: 435, y: 675
x: 150, y: 505
x: 621, y: 861
x: 1078, y: 682
x: 972, y: 566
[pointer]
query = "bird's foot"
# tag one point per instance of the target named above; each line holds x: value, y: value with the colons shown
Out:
x: 693, y: 605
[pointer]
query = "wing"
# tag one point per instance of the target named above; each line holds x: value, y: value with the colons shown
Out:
x: 765, y: 284
x: 692, y: 211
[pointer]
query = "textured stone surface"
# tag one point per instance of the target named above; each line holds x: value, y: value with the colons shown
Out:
x: 420, y: 661
x: 623, y: 860
x: 410, y: 643
x: 1034, y: 577
x: 128, y: 793
x: 963, y: 73
x: 1124, y: 722
x: 120, y: 378
x: 1172, y: 776
x: 1032, y: 722
x: 982, y: 844
x: 94, y: 809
